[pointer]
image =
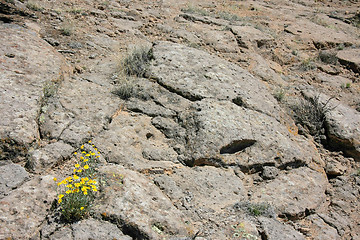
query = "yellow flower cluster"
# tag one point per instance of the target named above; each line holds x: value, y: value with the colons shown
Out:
x: 77, y: 190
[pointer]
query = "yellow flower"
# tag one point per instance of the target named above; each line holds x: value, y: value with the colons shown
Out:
x: 86, y: 166
x: 76, y: 177
x: 85, y: 160
x: 60, y: 200
x: 79, y: 170
x: 55, y: 179
x: 95, y: 149
x: 85, y: 193
x: 77, y: 165
x: 61, y: 196
x: 83, y: 152
x: 74, y: 169
x: 82, y: 147
x: 87, y: 155
x: 82, y: 208
x: 92, y: 154
x: 75, y: 153
x: 89, y: 141
x: 69, y: 186
x: 68, y: 191
x: 97, y: 156
x: 77, y: 184
x: 81, y: 158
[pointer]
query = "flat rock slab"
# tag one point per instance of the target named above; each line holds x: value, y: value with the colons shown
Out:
x: 24, y: 209
x: 350, y: 58
x: 195, y: 75
x: 207, y: 188
x: 11, y: 177
x: 294, y: 193
x: 274, y: 230
x: 222, y: 133
x: 135, y: 203
x: 27, y: 62
x: 322, y: 37
x: 248, y: 36
x: 89, y: 229
x: 131, y: 140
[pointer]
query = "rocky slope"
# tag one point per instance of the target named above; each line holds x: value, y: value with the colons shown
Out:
x: 244, y: 124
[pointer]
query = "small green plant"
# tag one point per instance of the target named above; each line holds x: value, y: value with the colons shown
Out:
x: 137, y: 61
x: 34, y: 6
x: 77, y: 192
x: 67, y: 29
x: 228, y: 16
x: 257, y: 209
x: 310, y: 113
x: 195, y: 10
x: 357, y: 172
x: 279, y: 95
x: 125, y: 89
x: 240, y: 232
x: 307, y: 65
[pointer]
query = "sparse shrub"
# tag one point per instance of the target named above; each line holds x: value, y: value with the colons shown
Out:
x: 137, y: 62
x: 228, y: 16
x: 279, y: 94
x: 307, y: 65
x: 195, y: 10
x: 67, y: 29
x: 34, y: 6
x: 125, y: 89
x: 239, y: 232
x: 256, y: 209
x: 310, y: 113
x: 328, y: 57
x: 77, y: 192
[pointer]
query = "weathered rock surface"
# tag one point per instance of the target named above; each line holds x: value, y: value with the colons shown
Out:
x: 248, y: 36
x: 196, y: 75
x: 275, y: 230
x: 138, y: 205
x: 90, y: 229
x: 23, y: 210
x: 222, y: 133
x: 27, y: 63
x: 321, y: 36
x: 295, y: 193
x: 11, y: 177
x: 46, y: 157
x: 192, y: 109
x: 350, y: 58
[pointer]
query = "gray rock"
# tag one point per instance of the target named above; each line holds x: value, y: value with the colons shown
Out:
x: 294, y: 193
x: 194, y: 74
x: 23, y: 78
x: 137, y: 204
x: 221, y: 133
x: 321, y: 36
x: 11, y: 177
x: 131, y: 139
x: 269, y: 173
x: 274, y: 230
x: 248, y: 36
x: 95, y: 229
x: 206, y: 189
x: 46, y: 157
x: 25, y: 208
x: 321, y: 230
x: 350, y: 58
x: 221, y: 41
